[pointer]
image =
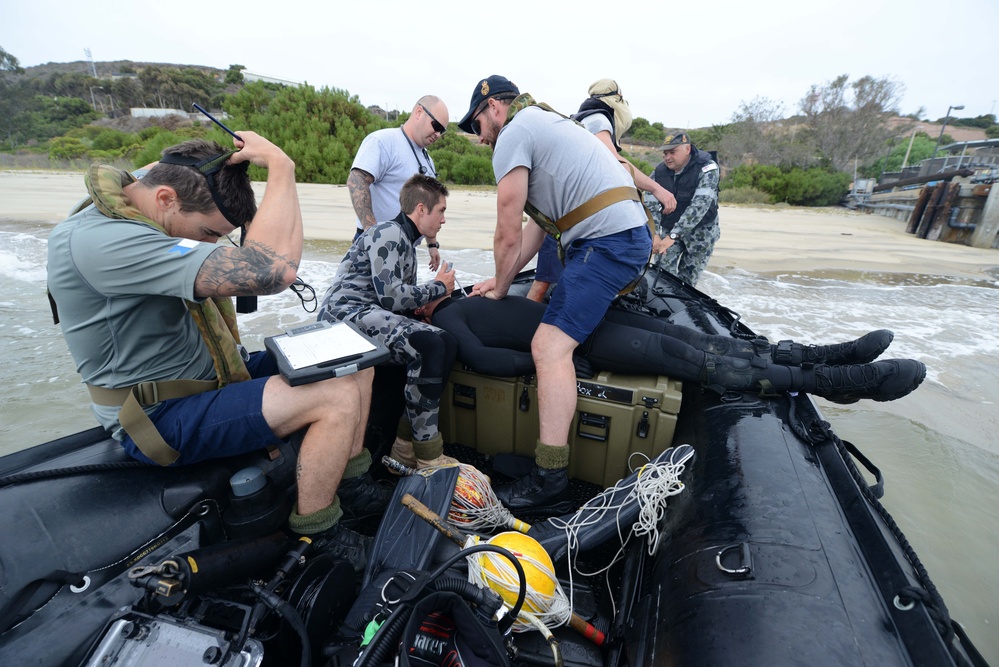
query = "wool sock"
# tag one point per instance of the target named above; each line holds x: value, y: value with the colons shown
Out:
x: 548, y: 456
x: 358, y: 465
x: 317, y: 522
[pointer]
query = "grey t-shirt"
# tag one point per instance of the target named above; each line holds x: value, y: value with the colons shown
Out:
x: 568, y: 166
x: 391, y: 158
x: 120, y: 287
x: 596, y: 123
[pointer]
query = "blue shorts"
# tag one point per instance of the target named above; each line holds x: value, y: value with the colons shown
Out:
x: 549, y: 268
x: 595, y: 271
x: 215, y: 424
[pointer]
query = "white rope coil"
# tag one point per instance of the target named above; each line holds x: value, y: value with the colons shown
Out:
x: 655, y: 482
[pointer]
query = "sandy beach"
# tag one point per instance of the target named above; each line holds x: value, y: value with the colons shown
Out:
x: 754, y: 239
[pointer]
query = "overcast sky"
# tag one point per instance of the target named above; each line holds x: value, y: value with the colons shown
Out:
x: 685, y: 65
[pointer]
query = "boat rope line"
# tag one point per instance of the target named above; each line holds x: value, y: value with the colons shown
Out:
x: 21, y: 477
x: 82, y: 581
x: 899, y: 593
x: 654, y: 483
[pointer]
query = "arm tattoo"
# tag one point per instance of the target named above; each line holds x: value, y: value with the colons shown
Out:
x: 251, y: 269
x: 359, y: 184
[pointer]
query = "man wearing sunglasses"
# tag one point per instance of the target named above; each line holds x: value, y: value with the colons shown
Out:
x: 144, y: 299
x: 386, y: 160
x: 575, y: 189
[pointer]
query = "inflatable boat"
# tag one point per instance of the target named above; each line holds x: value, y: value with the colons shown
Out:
x: 773, y: 548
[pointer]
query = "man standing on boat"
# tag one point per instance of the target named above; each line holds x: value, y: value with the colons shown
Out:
x: 606, y: 114
x: 386, y: 160
x: 566, y: 179
x: 687, y: 235
x: 144, y: 300
x: 375, y: 288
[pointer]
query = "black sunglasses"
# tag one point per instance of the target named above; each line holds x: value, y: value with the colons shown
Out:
x: 474, y: 124
x: 434, y: 123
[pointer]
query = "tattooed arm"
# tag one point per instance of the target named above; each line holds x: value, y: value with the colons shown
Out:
x: 268, y: 260
x: 359, y: 185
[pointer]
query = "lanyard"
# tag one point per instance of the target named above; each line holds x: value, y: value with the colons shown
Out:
x: 423, y: 169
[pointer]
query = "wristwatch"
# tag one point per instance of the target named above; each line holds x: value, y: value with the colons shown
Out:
x: 674, y: 236
x: 434, y: 245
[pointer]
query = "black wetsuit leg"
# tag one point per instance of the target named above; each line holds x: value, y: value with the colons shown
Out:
x: 721, y: 345
x: 494, y: 337
x: 627, y: 349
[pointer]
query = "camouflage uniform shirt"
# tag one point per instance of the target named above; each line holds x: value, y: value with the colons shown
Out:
x: 697, y: 227
x: 374, y: 288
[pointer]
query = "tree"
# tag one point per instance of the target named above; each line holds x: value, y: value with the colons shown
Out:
x: 922, y: 148
x: 849, y: 121
x: 8, y: 63
x: 758, y: 134
x: 9, y: 104
x: 234, y: 75
x: 320, y: 130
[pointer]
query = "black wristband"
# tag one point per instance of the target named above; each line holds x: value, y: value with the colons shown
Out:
x: 434, y: 245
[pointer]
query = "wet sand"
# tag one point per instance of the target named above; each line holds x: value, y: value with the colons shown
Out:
x: 754, y: 239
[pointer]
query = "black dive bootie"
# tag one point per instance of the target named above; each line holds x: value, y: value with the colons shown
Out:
x: 879, y: 381
x: 544, y: 491
x: 864, y: 350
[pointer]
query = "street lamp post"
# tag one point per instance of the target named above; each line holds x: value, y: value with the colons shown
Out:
x: 905, y: 160
x: 944, y: 127
x: 93, y: 101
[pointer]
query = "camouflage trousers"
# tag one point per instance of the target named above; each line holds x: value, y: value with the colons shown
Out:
x: 428, y: 354
x: 686, y: 261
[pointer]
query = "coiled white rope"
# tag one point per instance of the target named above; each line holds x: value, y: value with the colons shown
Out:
x: 654, y: 483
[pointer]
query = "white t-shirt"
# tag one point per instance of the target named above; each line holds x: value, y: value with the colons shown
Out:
x: 391, y: 158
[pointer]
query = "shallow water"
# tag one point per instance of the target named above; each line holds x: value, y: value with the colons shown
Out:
x: 938, y: 447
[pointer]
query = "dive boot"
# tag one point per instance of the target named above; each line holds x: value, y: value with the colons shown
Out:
x: 543, y: 492
x: 362, y: 498
x: 864, y: 350
x: 880, y: 381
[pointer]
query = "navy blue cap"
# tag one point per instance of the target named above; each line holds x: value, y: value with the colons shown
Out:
x: 490, y: 87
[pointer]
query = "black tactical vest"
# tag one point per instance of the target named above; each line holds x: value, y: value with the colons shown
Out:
x: 683, y: 185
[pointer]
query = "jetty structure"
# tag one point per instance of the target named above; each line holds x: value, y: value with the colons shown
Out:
x: 951, y: 197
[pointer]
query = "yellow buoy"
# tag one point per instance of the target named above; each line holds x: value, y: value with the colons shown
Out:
x: 501, y: 576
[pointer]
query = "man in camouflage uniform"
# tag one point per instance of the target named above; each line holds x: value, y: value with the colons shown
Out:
x: 375, y: 288
x: 687, y: 236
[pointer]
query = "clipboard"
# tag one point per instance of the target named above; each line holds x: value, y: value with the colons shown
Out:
x: 323, y: 350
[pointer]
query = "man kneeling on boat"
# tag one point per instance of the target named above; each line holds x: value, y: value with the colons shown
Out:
x: 143, y: 294
x: 494, y: 338
x: 375, y: 288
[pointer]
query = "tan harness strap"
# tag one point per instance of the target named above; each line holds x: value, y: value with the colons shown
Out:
x: 134, y: 419
x: 600, y: 202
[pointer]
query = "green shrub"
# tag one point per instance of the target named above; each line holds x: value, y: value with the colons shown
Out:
x: 472, y: 170
x: 816, y: 186
x: 111, y: 140
x: 66, y: 148
x: 153, y: 148
x: 744, y: 194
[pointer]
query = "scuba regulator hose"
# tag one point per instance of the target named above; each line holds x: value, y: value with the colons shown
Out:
x: 387, y: 638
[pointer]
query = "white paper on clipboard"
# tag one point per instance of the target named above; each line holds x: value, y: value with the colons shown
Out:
x: 321, y: 346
